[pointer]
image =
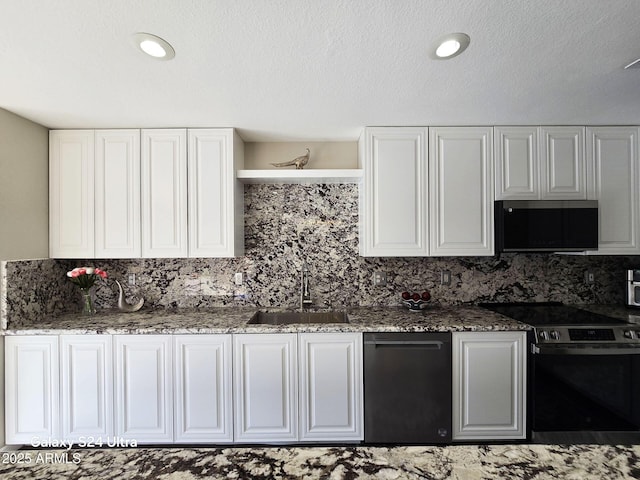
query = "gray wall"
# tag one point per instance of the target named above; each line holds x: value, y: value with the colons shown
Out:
x: 24, y: 188
x: 24, y: 203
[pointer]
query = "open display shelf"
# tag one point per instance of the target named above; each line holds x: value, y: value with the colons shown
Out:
x: 300, y: 176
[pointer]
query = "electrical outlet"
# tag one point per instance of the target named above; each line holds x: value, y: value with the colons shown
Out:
x: 207, y: 287
x: 445, y: 277
x: 589, y: 277
x: 379, y: 279
x: 132, y: 279
x: 238, y: 278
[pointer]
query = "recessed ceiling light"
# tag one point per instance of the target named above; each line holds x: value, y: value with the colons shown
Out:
x: 450, y: 46
x: 154, y: 46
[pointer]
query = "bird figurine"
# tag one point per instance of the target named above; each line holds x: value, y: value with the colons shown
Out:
x: 299, y: 162
x: 122, y: 302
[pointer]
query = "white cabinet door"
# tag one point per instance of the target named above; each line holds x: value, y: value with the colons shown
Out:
x: 489, y: 385
x: 144, y: 388
x: 461, y: 191
x: 86, y: 364
x: 164, y: 193
x: 393, y: 203
x: 203, y: 396
x: 265, y: 393
x: 615, y: 166
x: 215, y: 196
x: 71, y: 178
x: 117, y: 194
x: 517, y: 163
x: 31, y: 389
x: 331, y: 387
x: 563, y: 170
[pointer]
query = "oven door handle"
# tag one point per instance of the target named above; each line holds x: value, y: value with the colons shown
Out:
x: 583, y: 350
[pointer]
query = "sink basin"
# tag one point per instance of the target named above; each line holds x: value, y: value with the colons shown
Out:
x: 288, y: 318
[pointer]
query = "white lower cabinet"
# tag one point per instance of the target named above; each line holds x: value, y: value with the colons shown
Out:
x: 152, y: 389
x: 489, y: 387
x: 330, y: 386
x: 32, y: 389
x: 143, y: 388
x: 86, y: 375
x: 265, y: 394
x: 203, y: 401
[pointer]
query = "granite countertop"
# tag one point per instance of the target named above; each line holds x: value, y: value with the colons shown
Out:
x: 234, y: 320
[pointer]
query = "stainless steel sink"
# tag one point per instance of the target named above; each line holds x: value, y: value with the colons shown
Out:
x: 288, y: 318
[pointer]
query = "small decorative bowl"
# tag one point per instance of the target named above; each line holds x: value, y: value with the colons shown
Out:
x: 415, y: 305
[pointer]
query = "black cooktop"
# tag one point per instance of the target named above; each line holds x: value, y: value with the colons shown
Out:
x: 550, y: 313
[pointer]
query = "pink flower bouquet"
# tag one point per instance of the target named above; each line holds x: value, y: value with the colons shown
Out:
x: 85, y: 277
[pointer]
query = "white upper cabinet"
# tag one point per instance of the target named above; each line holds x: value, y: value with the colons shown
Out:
x: 215, y: 196
x: 71, y: 178
x: 126, y: 193
x: 117, y: 194
x: 164, y: 193
x: 615, y: 181
x: 516, y: 163
x: 540, y: 163
x: 393, y: 202
x: 461, y: 191
x: 562, y: 170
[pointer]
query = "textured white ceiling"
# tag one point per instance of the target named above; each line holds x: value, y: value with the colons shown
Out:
x: 319, y: 69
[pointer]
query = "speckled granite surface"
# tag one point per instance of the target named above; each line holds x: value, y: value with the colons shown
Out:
x: 234, y: 320
x: 504, y: 462
x: 286, y: 225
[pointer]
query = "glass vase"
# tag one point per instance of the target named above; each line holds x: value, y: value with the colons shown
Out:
x: 88, y: 308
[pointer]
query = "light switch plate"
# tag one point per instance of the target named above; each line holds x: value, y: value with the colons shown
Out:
x: 379, y: 279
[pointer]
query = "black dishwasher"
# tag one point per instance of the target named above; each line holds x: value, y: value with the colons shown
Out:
x: 407, y: 387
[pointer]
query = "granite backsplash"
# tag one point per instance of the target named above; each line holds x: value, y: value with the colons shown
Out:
x: 286, y: 225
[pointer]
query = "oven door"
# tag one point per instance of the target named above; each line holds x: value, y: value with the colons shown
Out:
x: 586, y: 388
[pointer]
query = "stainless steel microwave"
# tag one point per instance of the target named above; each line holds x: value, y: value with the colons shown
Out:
x: 633, y: 288
x: 546, y: 225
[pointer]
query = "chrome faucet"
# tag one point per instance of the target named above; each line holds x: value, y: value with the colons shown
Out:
x: 305, y: 294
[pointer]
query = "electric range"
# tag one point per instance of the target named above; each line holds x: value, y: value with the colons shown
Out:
x: 561, y: 327
x: 583, y: 376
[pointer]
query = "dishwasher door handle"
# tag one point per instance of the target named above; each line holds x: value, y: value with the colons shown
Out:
x: 427, y: 344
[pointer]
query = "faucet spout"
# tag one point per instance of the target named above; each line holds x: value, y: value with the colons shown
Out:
x: 305, y: 294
